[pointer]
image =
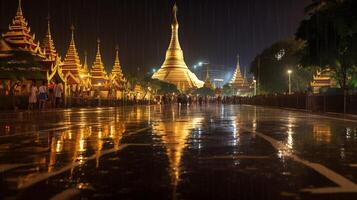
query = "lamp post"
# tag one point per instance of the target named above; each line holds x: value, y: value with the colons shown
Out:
x: 255, y: 87
x: 289, y: 74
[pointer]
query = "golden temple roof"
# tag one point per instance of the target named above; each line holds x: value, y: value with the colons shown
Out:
x: 174, y: 69
x: 71, y: 66
x: 117, y: 76
x: 19, y: 35
x: 238, y: 80
x: 48, y: 44
x: 99, y: 75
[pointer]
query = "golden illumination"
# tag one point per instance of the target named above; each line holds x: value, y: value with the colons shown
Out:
x: 174, y: 135
x: 239, y: 82
x: 71, y: 66
x: 322, y: 133
x: 174, y: 69
x: 99, y: 75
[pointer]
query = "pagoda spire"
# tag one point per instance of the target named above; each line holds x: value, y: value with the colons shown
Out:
x: 175, y: 42
x: 85, y: 65
x: 174, y: 69
x: 72, y: 65
x: 48, y: 43
x: 99, y: 75
x: 19, y: 9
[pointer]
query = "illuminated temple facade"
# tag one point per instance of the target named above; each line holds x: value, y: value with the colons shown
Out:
x: 19, y: 49
x: 99, y: 75
x: 174, y: 69
x: 239, y: 83
x: 322, y: 79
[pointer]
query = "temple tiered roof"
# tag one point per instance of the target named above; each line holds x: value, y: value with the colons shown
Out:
x: 238, y: 80
x: 117, y: 77
x: 99, y: 75
x: 48, y: 45
x: 19, y: 35
x: 174, y: 69
x: 71, y: 66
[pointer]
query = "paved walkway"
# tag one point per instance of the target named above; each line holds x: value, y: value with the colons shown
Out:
x: 170, y: 152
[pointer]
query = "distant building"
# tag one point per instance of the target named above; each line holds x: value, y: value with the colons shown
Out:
x: 322, y: 79
x: 239, y: 83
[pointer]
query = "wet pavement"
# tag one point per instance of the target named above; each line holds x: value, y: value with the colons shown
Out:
x: 171, y: 152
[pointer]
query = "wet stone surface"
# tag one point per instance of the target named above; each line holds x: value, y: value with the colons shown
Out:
x: 174, y: 152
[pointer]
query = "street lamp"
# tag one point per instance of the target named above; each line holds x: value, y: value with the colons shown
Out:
x: 255, y: 87
x: 289, y: 73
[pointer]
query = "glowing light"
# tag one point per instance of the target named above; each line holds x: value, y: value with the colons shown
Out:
x: 290, y: 71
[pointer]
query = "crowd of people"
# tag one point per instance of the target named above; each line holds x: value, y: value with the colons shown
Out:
x: 187, y: 99
x: 45, y: 96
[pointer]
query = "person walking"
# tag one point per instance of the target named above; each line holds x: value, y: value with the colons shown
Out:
x: 43, y: 95
x: 33, y: 96
x: 51, y: 94
x: 58, y: 94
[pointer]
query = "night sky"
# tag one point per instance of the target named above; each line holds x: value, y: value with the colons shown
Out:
x: 210, y: 30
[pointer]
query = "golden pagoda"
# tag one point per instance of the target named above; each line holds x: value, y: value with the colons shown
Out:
x: 116, y: 77
x: 322, y: 79
x: 99, y: 75
x: 238, y: 82
x: 174, y: 69
x: 19, y: 37
x: 71, y: 66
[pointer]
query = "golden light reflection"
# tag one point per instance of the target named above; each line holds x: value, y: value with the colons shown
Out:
x: 322, y: 133
x: 174, y: 134
x: 290, y: 132
x: 74, y: 144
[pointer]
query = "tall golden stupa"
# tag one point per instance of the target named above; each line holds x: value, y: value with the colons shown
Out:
x: 174, y: 70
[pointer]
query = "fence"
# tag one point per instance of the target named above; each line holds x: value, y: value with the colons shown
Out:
x: 317, y: 103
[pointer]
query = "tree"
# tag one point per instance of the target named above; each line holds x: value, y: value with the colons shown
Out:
x: 204, y: 91
x: 271, y: 66
x: 331, y: 38
x: 227, y: 90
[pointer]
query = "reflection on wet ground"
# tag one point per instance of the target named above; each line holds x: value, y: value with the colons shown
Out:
x: 171, y: 152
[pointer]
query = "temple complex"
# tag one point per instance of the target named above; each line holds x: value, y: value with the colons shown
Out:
x: 239, y: 83
x: 174, y: 69
x: 322, y: 79
x: 99, y: 75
